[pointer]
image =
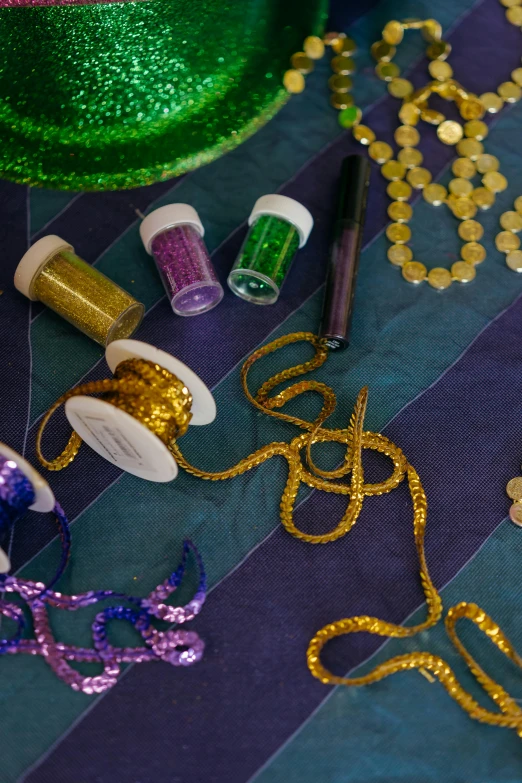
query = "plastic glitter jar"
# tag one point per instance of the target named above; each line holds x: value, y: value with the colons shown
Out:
x: 278, y: 227
x: 173, y: 236
x: 51, y: 272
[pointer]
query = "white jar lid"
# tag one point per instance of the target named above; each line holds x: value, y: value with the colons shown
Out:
x: 167, y: 217
x: 44, y: 498
x: 35, y: 258
x: 286, y: 208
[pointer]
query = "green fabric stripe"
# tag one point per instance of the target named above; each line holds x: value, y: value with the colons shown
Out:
x: 406, y: 728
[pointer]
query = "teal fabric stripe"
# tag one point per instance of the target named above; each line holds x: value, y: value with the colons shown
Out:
x: 224, y: 192
x: 46, y: 205
x: 406, y: 728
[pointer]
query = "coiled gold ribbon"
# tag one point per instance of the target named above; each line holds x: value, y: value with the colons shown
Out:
x: 162, y: 403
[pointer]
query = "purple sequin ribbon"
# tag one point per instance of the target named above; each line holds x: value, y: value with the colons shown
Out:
x: 175, y: 646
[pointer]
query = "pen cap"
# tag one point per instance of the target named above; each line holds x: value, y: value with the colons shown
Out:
x: 355, y: 178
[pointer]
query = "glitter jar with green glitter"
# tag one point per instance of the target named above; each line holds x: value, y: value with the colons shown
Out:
x: 51, y: 272
x: 279, y: 226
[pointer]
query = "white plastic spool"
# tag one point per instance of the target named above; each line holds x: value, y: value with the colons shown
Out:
x: 117, y: 436
x: 44, y: 498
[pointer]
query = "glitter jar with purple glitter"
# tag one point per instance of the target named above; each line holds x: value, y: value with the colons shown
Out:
x: 173, y: 236
x: 278, y: 227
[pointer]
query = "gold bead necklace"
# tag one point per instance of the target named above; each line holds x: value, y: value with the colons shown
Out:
x: 406, y: 173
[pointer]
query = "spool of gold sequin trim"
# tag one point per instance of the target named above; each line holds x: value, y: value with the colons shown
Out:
x: 147, y: 404
x: 51, y: 272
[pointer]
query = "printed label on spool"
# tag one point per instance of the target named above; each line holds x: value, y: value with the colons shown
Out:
x: 115, y: 443
x: 120, y: 439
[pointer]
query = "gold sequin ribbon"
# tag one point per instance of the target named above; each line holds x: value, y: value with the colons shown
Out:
x: 162, y: 403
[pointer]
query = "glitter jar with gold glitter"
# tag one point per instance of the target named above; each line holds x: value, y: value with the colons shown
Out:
x: 50, y: 272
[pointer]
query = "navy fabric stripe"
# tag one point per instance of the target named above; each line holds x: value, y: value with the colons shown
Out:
x: 14, y: 318
x: 222, y: 719
x: 95, y: 220
x: 235, y: 324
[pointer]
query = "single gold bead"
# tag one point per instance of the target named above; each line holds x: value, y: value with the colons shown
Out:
x: 432, y: 116
x: 487, y: 163
x: 506, y: 241
x: 514, y: 15
x: 399, y: 190
x: 518, y: 204
x: 470, y: 230
x: 418, y: 177
x: 431, y: 30
x: 461, y: 187
x: 398, y: 233
x: 410, y: 157
x: 494, y: 181
x: 509, y: 91
x: 399, y: 254
x: 387, y: 71
x: 414, y: 272
x: 473, y: 253
x: 464, y: 167
x: 511, y: 221
x: 393, y: 170
x: 294, y: 81
x: 463, y: 272
x: 439, y: 50
x: 345, y: 46
x: 472, y: 109
x: 302, y: 63
x: 340, y: 83
x: 341, y: 100
x: 382, y: 51
x: 470, y: 148
x: 476, y: 129
x: 516, y: 76
x: 435, y: 194
x: 401, y: 211
x: 400, y: 88
x: 483, y: 198
x: 363, y: 134
x: 463, y: 208
x: 393, y: 33
x: 492, y: 102
x: 409, y: 114
x: 314, y: 47
x: 343, y: 65
x: 440, y: 70
x: 380, y: 151
x: 439, y: 278
x: 406, y: 136
x: 450, y: 132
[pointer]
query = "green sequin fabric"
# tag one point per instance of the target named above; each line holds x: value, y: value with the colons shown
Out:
x: 100, y: 97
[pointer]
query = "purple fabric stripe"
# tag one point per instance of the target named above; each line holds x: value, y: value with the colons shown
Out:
x: 237, y: 324
x: 14, y: 318
x: 220, y: 721
x: 95, y: 220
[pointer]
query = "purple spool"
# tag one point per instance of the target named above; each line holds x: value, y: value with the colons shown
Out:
x: 173, y: 236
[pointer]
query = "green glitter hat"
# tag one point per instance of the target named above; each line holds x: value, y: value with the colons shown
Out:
x: 109, y: 95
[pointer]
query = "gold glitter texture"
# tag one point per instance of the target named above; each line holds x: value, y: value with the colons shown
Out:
x: 86, y: 298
